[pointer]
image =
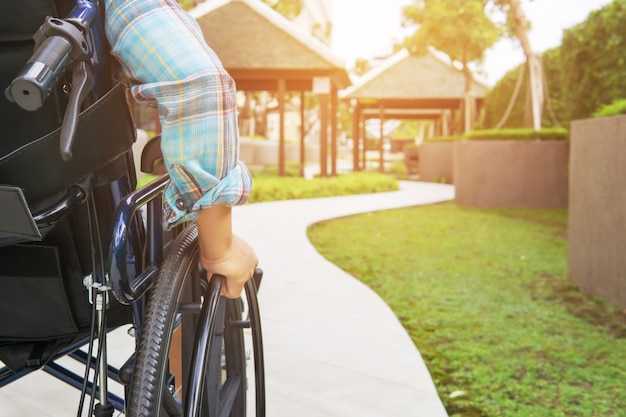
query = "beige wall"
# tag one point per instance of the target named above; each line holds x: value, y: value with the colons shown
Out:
x: 507, y: 173
x: 597, y: 207
x: 436, y: 162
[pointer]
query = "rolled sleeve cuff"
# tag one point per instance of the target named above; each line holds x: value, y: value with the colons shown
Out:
x: 185, y: 203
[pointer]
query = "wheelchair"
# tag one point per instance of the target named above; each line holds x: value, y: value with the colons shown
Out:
x: 83, y: 252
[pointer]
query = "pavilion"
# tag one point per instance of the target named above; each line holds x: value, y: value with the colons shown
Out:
x: 264, y: 51
x: 406, y: 86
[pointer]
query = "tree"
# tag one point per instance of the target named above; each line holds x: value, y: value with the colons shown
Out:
x: 460, y: 28
x: 518, y: 24
x: 501, y: 112
x: 594, y: 64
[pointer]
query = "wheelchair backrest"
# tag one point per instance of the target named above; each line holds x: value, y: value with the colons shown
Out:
x: 42, y: 296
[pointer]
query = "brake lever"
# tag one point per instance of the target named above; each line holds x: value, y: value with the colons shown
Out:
x: 82, y: 83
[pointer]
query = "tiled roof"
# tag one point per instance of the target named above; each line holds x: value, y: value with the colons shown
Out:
x: 408, y: 77
x: 249, y: 35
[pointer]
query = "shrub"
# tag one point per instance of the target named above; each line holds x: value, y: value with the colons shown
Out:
x: 616, y: 108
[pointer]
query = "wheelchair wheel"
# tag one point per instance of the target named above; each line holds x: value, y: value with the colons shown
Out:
x: 192, y: 356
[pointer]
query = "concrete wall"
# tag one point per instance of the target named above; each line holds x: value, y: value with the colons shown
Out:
x: 597, y: 207
x: 507, y: 173
x: 436, y: 162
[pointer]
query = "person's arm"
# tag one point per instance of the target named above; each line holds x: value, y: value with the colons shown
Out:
x: 163, y: 50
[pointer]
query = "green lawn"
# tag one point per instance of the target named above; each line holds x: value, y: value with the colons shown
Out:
x: 485, y: 297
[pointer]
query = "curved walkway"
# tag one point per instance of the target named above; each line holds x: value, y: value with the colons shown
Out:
x: 333, y: 348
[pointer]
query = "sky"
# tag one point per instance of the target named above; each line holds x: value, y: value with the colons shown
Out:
x: 371, y: 31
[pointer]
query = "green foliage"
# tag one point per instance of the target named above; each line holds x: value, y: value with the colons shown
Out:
x: 594, y: 62
x: 143, y: 179
x: 470, y: 23
x: 399, y: 170
x: 519, y: 134
x: 552, y: 133
x: 408, y: 129
x: 498, y: 98
x: 188, y: 4
x: 587, y: 72
x: 553, y: 71
x: 291, y: 170
x: 442, y: 138
x: 485, y: 297
x: 616, y: 108
x: 361, y: 66
x: 288, y: 8
x: 268, y: 188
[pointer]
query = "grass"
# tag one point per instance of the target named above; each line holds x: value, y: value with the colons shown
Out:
x: 485, y: 297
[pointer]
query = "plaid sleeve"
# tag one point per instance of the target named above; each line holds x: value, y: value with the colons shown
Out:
x: 163, y: 49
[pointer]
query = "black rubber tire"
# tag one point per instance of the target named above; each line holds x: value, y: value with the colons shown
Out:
x: 219, y: 367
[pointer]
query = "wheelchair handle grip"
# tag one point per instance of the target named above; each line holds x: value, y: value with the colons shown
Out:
x: 34, y: 83
x: 58, y: 45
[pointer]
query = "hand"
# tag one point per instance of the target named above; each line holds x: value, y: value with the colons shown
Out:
x: 237, y: 265
x: 222, y: 252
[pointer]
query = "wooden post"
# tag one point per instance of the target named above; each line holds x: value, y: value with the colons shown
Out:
x: 381, y: 149
x: 363, y: 136
x: 322, y: 87
x: 323, y: 135
x: 356, y: 132
x: 281, y: 128
x: 302, y: 133
x: 333, y: 132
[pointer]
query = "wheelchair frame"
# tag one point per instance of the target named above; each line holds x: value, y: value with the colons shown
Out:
x: 217, y: 323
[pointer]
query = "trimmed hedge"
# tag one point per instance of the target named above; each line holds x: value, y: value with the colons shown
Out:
x: 556, y: 133
x: 519, y: 134
x: 267, y: 188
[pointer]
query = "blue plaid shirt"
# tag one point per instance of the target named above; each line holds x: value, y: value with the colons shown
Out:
x: 163, y: 52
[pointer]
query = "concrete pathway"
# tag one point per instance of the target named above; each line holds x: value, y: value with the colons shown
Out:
x: 333, y: 348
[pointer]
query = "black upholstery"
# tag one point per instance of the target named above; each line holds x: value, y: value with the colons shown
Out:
x: 43, y: 303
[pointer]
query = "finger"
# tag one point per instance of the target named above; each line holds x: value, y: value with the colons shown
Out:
x: 231, y: 291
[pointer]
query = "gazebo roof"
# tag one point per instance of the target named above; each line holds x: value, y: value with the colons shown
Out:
x: 410, y: 81
x: 257, y: 46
